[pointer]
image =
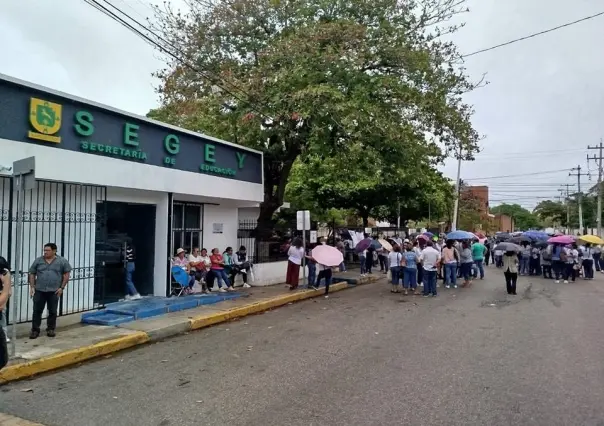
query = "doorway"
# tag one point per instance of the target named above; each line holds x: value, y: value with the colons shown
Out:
x: 125, y: 223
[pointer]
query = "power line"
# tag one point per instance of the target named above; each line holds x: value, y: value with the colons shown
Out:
x: 215, y: 80
x: 523, y: 153
x: 518, y: 175
x: 507, y: 43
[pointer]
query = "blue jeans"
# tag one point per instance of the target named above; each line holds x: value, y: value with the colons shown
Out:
x: 479, y: 268
x: 221, y: 277
x: 130, y: 288
x: 312, y: 273
x: 429, y: 282
x: 450, y: 273
x: 525, y: 262
x: 410, y: 278
x: 396, y: 275
x: 363, y: 260
x: 466, y: 270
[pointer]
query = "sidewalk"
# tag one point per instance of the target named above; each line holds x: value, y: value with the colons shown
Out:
x: 83, y: 342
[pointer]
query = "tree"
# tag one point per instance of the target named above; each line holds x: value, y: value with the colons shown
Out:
x: 551, y: 212
x: 523, y: 219
x: 312, y: 77
x: 364, y: 181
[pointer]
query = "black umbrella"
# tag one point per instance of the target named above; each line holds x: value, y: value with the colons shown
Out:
x: 520, y: 239
x: 540, y: 244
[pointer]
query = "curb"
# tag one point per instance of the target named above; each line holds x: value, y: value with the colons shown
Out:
x: 73, y: 356
x: 136, y: 338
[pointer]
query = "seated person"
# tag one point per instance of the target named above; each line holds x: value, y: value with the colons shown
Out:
x: 242, y: 265
x: 199, y: 264
x: 181, y: 261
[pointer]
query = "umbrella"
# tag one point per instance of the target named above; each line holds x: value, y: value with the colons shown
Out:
x: 562, y: 239
x: 428, y: 234
x: 536, y: 235
x: 540, y: 244
x: 376, y: 245
x: 460, y: 235
x: 327, y: 255
x: 480, y: 235
x: 508, y: 247
x: 520, y: 239
x: 363, y: 245
x: 591, y: 239
x: 385, y: 244
x: 422, y: 237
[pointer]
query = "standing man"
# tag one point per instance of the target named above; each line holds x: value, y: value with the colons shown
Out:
x: 430, y: 259
x: 129, y: 262
x: 478, y: 253
x: 48, y: 277
x: 5, y: 289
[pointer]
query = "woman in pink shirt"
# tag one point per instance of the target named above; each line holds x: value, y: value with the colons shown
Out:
x: 450, y: 262
x: 217, y: 269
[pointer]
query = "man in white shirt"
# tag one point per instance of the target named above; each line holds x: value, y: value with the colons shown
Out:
x: 430, y: 259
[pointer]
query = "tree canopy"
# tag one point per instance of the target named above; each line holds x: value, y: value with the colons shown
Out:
x: 523, y: 218
x: 312, y: 79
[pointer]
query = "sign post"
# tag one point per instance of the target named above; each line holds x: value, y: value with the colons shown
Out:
x: 25, y: 178
x: 303, y: 223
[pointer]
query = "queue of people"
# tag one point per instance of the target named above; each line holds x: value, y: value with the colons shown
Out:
x: 205, y: 269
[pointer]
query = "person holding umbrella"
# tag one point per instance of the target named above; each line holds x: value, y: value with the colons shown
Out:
x: 510, y: 271
x: 327, y: 257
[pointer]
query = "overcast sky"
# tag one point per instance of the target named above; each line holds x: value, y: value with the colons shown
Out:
x: 543, y: 105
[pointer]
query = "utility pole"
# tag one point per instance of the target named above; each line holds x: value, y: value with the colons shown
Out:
x: 579, y: 196
x: 457, y: 193
x: 566, y: 193
x: 598, y: 158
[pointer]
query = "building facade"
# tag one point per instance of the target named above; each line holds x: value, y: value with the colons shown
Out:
x: 105, y: 177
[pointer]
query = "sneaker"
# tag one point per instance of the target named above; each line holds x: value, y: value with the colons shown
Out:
x: 421, y: 284
x: 128, y: 297
x: 230, y: 289
x: 50, y: 333
x: 565, y: 281
x: 246, y: 285
x: 7, y: 339
x: 34, y: 334
x: 448, y: 286
x: 455, y: 286
x: 314, y: 287
x: 222, y: 290
x: 557, y: 281
x: 136, y: 297
x: 426, y: 295
x: 327, y: 296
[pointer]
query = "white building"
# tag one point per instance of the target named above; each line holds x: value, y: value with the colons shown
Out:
x: 106, y: 176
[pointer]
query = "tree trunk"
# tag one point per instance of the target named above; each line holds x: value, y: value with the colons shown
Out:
x: 365, y: 218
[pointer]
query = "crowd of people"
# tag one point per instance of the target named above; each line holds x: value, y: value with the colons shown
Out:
x: 204, y: 270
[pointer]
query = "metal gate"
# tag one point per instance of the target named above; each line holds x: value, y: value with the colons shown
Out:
x: 69, y: 215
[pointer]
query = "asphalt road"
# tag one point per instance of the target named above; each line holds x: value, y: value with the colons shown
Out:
x: 363, y: 357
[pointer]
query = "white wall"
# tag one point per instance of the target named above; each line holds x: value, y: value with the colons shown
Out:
x: 69, y: 166
x: 249, y: 213
x: 270, y: 273
x: 228, y: 217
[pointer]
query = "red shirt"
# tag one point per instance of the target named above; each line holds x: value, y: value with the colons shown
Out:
x: 216, y: 260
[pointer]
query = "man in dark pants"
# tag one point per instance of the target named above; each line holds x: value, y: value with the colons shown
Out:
x: 5, y: 289
x: 48, y: 277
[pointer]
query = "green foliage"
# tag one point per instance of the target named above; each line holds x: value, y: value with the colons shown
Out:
x: 363, y: 180
x: 312, y: 79
x: 555, y: 212
x: 551, y: 213
x: 523, y: 219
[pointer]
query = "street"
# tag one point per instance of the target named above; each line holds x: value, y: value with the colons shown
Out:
x: 363, y: 357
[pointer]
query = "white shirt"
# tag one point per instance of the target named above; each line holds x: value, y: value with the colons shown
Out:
x: 572, y: 255
x: 394, y: 259
x: 295, y: 255
x: 429, y: 258
x: 587, y: 253
x: 195, y: 259
x: 498, y: 252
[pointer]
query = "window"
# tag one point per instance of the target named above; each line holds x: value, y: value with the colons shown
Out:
x: 187, y: 226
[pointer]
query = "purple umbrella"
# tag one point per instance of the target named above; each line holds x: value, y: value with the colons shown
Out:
x: 363, y: 245
x: 562, y: 239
